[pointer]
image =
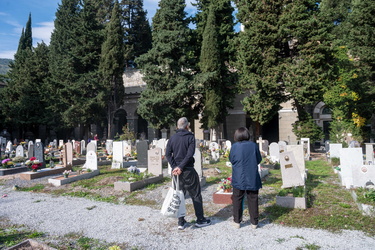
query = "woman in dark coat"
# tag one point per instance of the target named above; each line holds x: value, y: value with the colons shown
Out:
x: 245, y: 157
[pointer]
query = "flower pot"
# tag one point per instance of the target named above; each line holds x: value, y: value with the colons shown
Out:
x: 66, y: 175
x: 228, y: 190
x: 34, y: 170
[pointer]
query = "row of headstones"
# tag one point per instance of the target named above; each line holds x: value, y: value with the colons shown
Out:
x: 355, y: 170
x: 274, y: 149
x: 335, y: 151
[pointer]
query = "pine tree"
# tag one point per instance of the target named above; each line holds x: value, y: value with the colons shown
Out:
x: 166, y: 68
x: 75, y: 54
x: 137, y: 30
x: 284, y: 54
x: 112, y: 65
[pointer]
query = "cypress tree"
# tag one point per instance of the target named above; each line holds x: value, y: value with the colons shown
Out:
x: 166, y: 68
x: 112, y: 65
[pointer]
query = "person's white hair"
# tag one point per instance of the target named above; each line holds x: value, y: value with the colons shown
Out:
x: 182, y: 123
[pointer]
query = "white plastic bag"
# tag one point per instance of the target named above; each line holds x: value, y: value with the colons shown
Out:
x: 174, y: 202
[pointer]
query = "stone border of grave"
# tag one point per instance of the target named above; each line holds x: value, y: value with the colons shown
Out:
x: 291, y: 202
x: 31, y: 244
x: 61, y: 180
x: 222, y: 198
x: 365, y: 209
x: 44, y: 172
x: 131, y: 186
x: 15, y: 170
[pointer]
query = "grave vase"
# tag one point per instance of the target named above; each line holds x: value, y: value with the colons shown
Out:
x: 228, y: 190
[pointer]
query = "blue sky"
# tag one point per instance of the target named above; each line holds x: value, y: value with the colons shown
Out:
x: 14, y: 15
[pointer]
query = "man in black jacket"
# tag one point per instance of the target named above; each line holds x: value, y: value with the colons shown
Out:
x: 180, y: 154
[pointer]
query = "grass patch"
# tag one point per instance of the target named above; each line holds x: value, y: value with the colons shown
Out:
x: 35, y: 188
x: 331, y: 206
x: 11, y: 235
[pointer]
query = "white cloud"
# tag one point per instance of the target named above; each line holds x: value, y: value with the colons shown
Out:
x: 42, y: 32
x: 9, y: 54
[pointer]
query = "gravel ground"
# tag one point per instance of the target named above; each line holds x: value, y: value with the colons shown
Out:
x: 145, y: 228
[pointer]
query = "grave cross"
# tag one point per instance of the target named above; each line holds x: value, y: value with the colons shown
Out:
x: 260, y: 141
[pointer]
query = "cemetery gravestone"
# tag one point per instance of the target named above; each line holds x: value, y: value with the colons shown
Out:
x: 20, y: 151
x: 274, y: 151
x: 61, y: 143
x: 350, y: 158
x: 334, y: 150
x: 91, y: 160
x: 91, y: 146
x: 297, y: 151
x: 30, y: 150
x: 77, y: 147
x: 127, y: 149
x: 290, y: 173
x: 263, y: 145
x: 282, y: 146
x: 9, y: 147
x: 39, y: 153
x: 198, y: 162
x: 228, y: 145
x: 68, y: 154
x: 214, y: 148
x: 161, y: 144
x: 118, y: 154
x: 363, y: 175
x: 109, y: 146
x: 369, y: 153
x: 83, y: 147
x: 142, y: 149
x: 306, y: 147
x: 154, y: 161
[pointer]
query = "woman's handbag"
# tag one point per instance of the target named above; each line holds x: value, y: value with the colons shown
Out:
x: 174, y: 202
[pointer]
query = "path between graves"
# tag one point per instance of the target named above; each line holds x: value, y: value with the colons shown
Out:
x: 145, y: 228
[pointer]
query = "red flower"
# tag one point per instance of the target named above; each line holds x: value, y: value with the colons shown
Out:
x: 32, y: 158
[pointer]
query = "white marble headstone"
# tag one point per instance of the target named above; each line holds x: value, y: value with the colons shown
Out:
x: 118, y: 154
x: 198, y: 162
x: 298, y: 153
x: 290, y: 173
x: 334, y: 150
x: 154, y: 161
x: 19, y: 151
x: 274, y: 149
x: 350, y: 158
x: 91, y: 160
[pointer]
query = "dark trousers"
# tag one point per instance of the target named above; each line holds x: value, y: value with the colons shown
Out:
x: 189, y: 182
x: 252, y: 203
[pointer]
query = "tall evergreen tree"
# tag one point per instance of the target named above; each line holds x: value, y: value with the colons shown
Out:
x: 75, y: 54
x: 112, y: 65
x: 137, y: 30
x: 284, y: 54
x: 166, y: 68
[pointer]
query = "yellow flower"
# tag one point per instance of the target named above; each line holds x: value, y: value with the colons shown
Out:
x: 358, y: 120
x: 355, y: 75
x: 343, y: 94
x: 355, y: 96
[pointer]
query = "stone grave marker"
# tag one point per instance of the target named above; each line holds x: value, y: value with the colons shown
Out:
x: 39, y: 152
x: 161, y: 144
x: 109, y: 146
x: 127, y: 149
x: 77, y: 147
x: 214, y: 148
x: 68, y: 154
x: 3, y: 142
x: 54, y: 143
x: 20, y: 151
x: 282, y: 146
x: 118, y: 154
x: 9, y: 147
x: 61, y: 143
x: 263, y: 145
x: 83, y: 147
x: 334, y: 150
x: 91, y: 160
x: 354, y: 144
x: 30, y: 149
x: 350, y: 158
x: 290, y: 173
x: 198, y: 162
x: 298, y: 153
x: 363, y: 175
x: 91, y: 146
x: 306, y: 147
x: 369, y: 153
x: 228, y: 145
x: 274, y: 151
x: 154, y: 161
x: 142, y: 149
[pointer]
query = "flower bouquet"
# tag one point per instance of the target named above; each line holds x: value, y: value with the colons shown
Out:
x: 7, y: 163
x: 66, y: 173
x: 33, y: 163
x: 225, y: 185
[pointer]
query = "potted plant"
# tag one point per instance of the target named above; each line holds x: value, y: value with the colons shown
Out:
x: 66, y: 173
x: 33, y: 163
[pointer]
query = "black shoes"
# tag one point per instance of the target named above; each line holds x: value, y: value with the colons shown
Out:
x: 203, y: 223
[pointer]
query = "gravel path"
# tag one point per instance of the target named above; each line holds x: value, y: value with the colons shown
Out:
x: 145, y: 228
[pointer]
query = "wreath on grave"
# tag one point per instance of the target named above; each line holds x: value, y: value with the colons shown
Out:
x: 33, y: 163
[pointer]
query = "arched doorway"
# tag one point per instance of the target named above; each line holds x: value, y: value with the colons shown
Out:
x: 142, y: 128
x: 323, y: 116
x: 119, y: 121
